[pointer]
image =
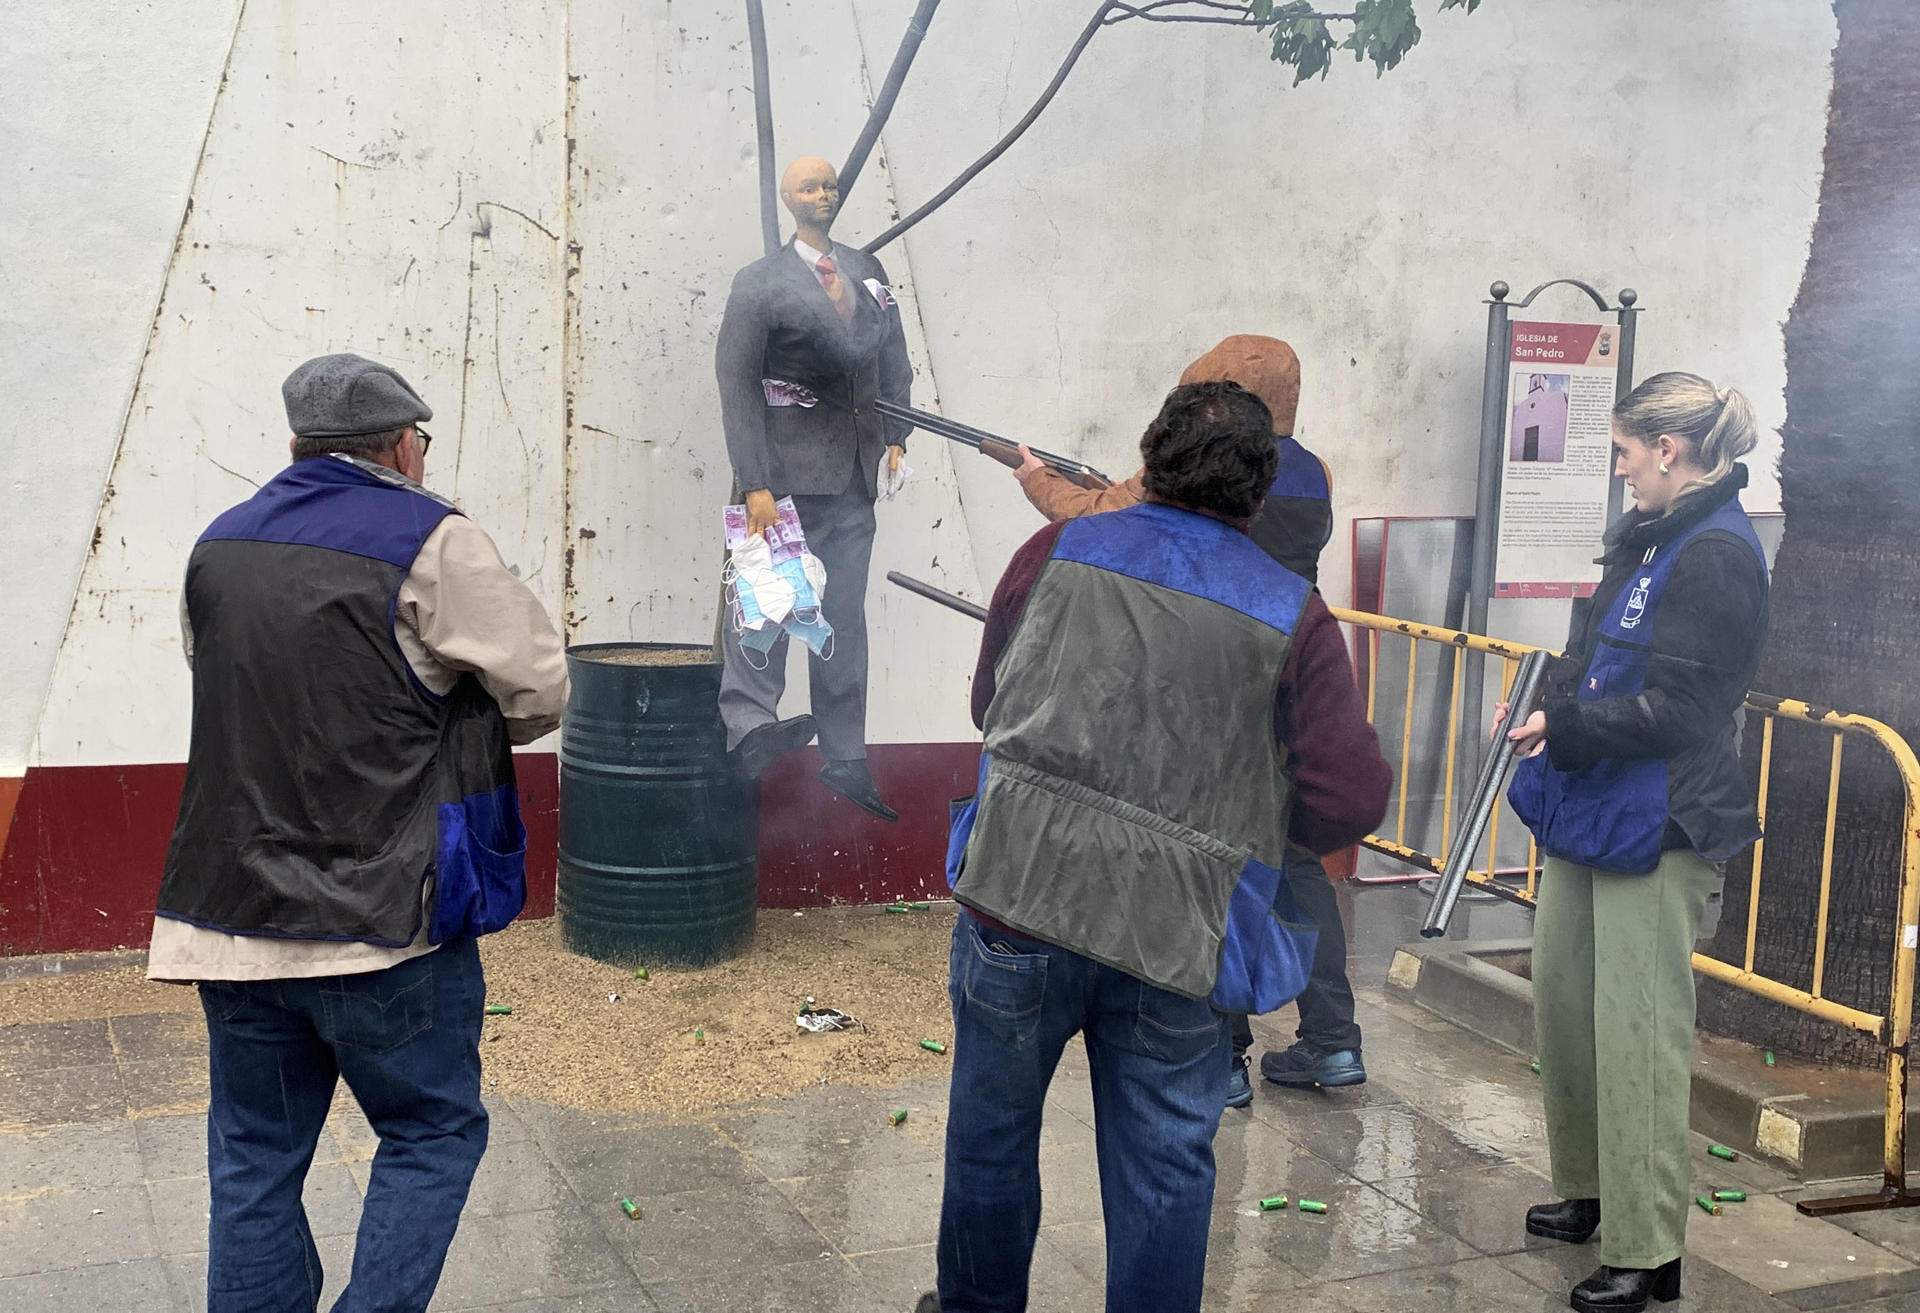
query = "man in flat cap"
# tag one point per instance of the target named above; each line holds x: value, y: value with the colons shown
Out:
x: 810, y: 338
x: 362, y: 661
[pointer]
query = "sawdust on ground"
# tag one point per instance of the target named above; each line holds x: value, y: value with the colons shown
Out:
x: 565, y: 1043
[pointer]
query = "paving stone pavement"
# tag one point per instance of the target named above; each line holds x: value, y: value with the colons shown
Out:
x: 816, y: 1203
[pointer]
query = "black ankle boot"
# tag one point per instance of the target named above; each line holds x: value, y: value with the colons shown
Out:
x: 1571, y: 1220
x: 1627, y: 1289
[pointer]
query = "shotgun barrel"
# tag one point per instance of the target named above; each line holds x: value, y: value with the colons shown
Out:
x: 1004, y: 450
x: 940, y: 595
x: 1485, y: 797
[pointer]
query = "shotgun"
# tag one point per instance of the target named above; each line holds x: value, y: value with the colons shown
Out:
x: 1486, y: 796
x: 1004, y: 450
x: 940, y: 595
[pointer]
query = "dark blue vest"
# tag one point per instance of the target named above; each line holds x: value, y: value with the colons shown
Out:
x: 327, y: 789
x: 1613, y: 815
x: 1297, y: 519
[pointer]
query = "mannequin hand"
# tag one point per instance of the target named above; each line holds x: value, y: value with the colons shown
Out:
x: 761, y: 512
x: 895, y: 454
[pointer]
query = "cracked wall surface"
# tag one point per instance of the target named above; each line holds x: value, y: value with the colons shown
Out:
x: 535, y: 214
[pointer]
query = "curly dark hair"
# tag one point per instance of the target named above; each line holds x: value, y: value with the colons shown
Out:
x: 1211, y: 449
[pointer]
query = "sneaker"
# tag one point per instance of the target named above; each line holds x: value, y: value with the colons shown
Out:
x: 1240, y: 1083
x: 1303, y: 1067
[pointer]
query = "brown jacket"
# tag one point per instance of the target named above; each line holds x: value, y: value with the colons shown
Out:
x: 1055, y: 497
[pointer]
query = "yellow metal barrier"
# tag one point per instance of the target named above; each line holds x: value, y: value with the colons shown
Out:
x: 1893, y: 1029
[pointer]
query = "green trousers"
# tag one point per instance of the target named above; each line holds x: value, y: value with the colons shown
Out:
x: 1613, y: 1026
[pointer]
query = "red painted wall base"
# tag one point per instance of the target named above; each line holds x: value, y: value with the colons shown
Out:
x: 81, y: 862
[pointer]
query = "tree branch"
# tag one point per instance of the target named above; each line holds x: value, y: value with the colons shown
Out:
x: 889, y: 92
x: 973, y: 170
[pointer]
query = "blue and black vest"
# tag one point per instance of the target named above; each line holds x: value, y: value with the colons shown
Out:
x: 1296, y: 521
x: 1133, y: 804
x: 1614, y: 814
x: 329, y: 793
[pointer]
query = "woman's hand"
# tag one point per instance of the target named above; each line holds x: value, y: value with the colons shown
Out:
x: 1530, y: 736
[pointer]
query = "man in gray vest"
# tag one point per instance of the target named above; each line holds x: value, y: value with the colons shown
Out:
x: 1165, y: 707
x: 362, y: 661
x: 810, y: 338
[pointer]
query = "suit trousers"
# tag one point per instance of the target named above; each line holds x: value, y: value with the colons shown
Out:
x: 1613, y: 1026
x: 839, y: 531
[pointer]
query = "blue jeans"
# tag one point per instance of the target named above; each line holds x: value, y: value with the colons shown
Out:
x: 407, y: 1042
x: 1159, y: 1063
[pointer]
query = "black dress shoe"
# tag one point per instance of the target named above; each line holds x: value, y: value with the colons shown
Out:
x: 852, y: 781
x: 760, y: 745
x: 1627, y: 1289
x: 929, y: 1303
x: 1571, y: 1220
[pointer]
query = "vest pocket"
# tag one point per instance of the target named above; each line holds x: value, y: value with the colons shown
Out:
x: 1267, y: 951
x: 481, y: 873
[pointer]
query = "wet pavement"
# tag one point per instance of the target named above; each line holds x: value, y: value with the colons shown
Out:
x: 817, y: 1203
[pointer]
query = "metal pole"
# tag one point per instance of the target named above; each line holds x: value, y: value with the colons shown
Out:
x: 1486, y: 516
x: 889, y: 92
x: 763, y: 125
x: 1629, y: 314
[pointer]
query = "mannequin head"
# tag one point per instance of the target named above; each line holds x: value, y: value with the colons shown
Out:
x: 810, y: 189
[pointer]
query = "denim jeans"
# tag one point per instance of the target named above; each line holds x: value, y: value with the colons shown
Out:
x: 1158, y: 1061
x: 1326, y: 1005
x: 407, y: 1042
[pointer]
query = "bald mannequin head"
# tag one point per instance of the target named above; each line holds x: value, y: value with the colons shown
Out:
x: 810, y: 189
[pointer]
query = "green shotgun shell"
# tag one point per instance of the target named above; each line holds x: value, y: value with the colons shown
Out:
x: 933, y: 1046
x: 1769, y: 1057
x: 921, y: 907
x: 699, y: 1036
x: 1707, y: 1205
x: 631, y: 1209
x: 1729, y: 1196
x: 1723, y: 1153
x: 1273, y: 1203
x: 499, y: 1010
x: 1536, y: 1068
x: 897, y: 1116
x: 1309, y: 1206
x: 898, y: 909
x: 641, y: 973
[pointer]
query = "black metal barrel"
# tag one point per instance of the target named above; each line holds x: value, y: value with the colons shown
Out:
x: 657, y: 837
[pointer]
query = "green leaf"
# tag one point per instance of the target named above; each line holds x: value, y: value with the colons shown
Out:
x: 1383, y: 31
x: 1455, y: 4
x: 1262, y: 10
x: 1301, y: 38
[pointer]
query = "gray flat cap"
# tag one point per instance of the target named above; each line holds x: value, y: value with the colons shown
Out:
x: 338, y: 396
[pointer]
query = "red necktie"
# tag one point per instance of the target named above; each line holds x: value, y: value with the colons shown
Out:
x: 829, y: 276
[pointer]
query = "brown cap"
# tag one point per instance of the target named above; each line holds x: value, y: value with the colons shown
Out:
x: 1264, y: 366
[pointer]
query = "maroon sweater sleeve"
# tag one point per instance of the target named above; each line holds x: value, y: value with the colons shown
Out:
x: 1340, y: 780
x: 1003, y: 612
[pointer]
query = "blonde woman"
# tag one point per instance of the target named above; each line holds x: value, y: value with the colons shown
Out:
x: 1633, y: 787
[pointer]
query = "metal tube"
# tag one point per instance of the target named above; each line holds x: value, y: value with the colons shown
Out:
x: 1453, y: 743
x: 763, y: 128
x: 889, y: 92
x: 1826, y: 869
x: 1760, y: 844
x: 1486, y: 796
x: 1406, y: 733
x: 940, y: 595
x: 1629, y: 316
x: 1486, y: 505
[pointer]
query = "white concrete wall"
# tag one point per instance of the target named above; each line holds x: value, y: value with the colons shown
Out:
x: 534, y: 210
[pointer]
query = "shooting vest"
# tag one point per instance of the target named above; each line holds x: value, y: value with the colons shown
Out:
x: 1297, y: 520
x: 1133, y: 804
x: 326, y: 786
x: 1613, y: 815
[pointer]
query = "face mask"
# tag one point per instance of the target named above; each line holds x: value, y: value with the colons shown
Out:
x: 763, y: 594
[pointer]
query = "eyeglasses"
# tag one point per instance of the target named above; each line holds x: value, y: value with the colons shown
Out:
x: 426, y: 438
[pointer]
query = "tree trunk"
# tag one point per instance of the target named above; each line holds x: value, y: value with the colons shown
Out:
x: 1845, y: 617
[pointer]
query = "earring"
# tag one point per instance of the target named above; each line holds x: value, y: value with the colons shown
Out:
x: 1664, y: 469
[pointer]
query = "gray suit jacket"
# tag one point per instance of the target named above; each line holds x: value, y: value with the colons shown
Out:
x: 781, y: 324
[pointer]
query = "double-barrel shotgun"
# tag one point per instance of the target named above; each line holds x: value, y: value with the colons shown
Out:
x: 1004, y: 450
